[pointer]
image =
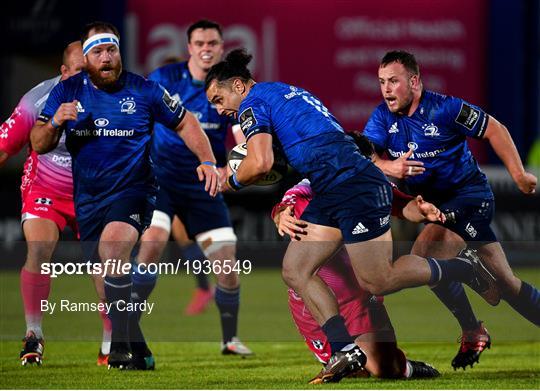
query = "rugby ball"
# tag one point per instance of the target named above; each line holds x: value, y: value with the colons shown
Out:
x: 278, y: 171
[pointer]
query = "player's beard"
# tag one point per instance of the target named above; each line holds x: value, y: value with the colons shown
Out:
x: 405, y: 103
x: 105, y: 82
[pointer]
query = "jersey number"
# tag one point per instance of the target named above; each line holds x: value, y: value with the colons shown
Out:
x: 317, y: 104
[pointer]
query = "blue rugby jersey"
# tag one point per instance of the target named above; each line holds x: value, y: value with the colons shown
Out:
x: 437, y: 133
x: 110, y: 140
x: 174, y: 162
x: 311, y: 138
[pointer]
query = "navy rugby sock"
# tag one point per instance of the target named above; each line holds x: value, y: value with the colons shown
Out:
x: 454, y: 269
x: 455, y: 299
x: 228, y: 303
x: 193, y: 252
x: 527, y: 303
x: 337, y: 333
x: 118, y: 291
x: 143, y: 285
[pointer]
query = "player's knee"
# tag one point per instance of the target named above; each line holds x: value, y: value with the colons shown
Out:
x: 39, y: 252
x: 228, y: 280
x: 291, y: 276
x: 160, y: 225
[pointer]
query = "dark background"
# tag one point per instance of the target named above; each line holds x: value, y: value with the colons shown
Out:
x: 507, y: 65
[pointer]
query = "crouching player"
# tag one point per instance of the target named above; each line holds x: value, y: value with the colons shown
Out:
x: 365, y: 315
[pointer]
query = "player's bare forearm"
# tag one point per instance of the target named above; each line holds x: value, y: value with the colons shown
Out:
x: 504, y: 147
x: 259, y: 159
x: 44, y: 137
x: 195, y: 138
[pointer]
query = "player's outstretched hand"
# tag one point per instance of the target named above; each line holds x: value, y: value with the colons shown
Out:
x: 290, y: 225
x: 527, y: 183
x: 66, y: 112
x: 210, y: 175
x: 429, y: 211
x: 403, y: 168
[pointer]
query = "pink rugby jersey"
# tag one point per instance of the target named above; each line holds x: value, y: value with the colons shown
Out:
x: 337, y: 273
x: 51, y: 171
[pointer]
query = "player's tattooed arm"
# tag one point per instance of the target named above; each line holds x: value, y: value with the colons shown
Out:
x: 45, y: 135
x: 504, y: 147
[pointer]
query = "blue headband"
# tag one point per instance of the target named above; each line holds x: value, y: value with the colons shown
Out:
x: 99, y: 39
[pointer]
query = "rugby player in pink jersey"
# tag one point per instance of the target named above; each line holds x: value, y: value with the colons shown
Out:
x: 365, y: 315
x: 47, y: 206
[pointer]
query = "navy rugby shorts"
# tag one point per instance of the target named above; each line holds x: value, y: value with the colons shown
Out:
x: 359, y: 206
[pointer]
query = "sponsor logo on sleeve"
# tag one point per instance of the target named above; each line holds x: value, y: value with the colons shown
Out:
x: 169, y: 101
x: 177, y: 98
x: 468, y: 116
x: 247, y: 119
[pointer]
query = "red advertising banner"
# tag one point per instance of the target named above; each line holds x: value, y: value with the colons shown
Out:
x: 331, y: 48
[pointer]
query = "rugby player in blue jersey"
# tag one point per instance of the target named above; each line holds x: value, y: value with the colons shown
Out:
x: 107, y: 116
x: 351, y: 195
x: 205, y: 218
x: 424, y: 135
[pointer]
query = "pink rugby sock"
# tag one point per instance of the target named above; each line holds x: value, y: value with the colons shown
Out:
x: 34, y: 288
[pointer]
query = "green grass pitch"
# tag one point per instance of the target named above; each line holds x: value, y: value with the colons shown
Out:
x: 187, y: 348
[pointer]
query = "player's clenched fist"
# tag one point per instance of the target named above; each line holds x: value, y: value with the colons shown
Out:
x: 527, y: 183
x: 66, y: 112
